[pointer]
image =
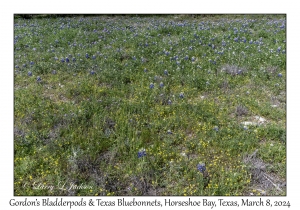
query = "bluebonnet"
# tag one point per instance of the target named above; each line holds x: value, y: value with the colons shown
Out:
x: 145, y: 70
x: 186, y: 57
x: 56, y: 58
x: 169, y: 102
x: 87, y: 55
x: 29, y: 73
x: 67, y: 60
x: 141, y: 153
x: 161, y: 84
x: 201, y: 167
x: 53, y: 72
x: 38, y: 79
x: 278, y: 49
x: 31, y: 62
x: 94, y: 57
x: 193, y: 59
x: 151, y: 86
x: 62, y: 60
x: 216, y: 128
x: 92, y: 72
x: 181, y: 95
x: 16, y: 66
x: 169, y: 132
x: 279, y: 75
x: 74, y: 59
x: 24, y: 65
x: 166, y: 72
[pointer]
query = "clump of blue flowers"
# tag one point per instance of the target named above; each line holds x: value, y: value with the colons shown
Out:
x: 201, y: 167
x: 151, y: 86
x: 141, y: 153
x: 181, y: 95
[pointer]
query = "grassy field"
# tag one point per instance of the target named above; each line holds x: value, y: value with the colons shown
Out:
x: 150, y: 105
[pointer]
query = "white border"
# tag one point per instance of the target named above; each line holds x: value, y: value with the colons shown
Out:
x: 133, y: 7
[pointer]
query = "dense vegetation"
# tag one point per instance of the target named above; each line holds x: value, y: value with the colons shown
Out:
x: 150, y: 105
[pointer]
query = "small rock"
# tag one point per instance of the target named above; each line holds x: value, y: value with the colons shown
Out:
x: 248, y: 123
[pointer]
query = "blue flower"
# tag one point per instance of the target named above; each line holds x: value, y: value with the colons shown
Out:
x: 161, y: 84
x: 141, y: 153
x: 16, y: 66
x: 67, y: 60
x: 145, y: 70
x: 29, y: 73
x: 24, y: 65
x: 279, y: 75
x: 193, y: 59
x: 278, y: 49
x: 169, y: 132
x: 169, y: 102
x: 62, y: 60
x: 216, y: 128
x: 87, y: 55
x: 151, y: 86
x: 94, y: 57
x: 201, y: 167
x: 38, y: 79
x: 186, y: 57
x: 92, y: 72
x: 31, y: 62
x: 53, y: 72
x: 166, y: 72
x: 181, y: 95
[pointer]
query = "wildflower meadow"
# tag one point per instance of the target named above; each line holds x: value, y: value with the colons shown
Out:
x: 189, y: 105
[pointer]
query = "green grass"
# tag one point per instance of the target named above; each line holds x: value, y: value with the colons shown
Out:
x: 84, y: 128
